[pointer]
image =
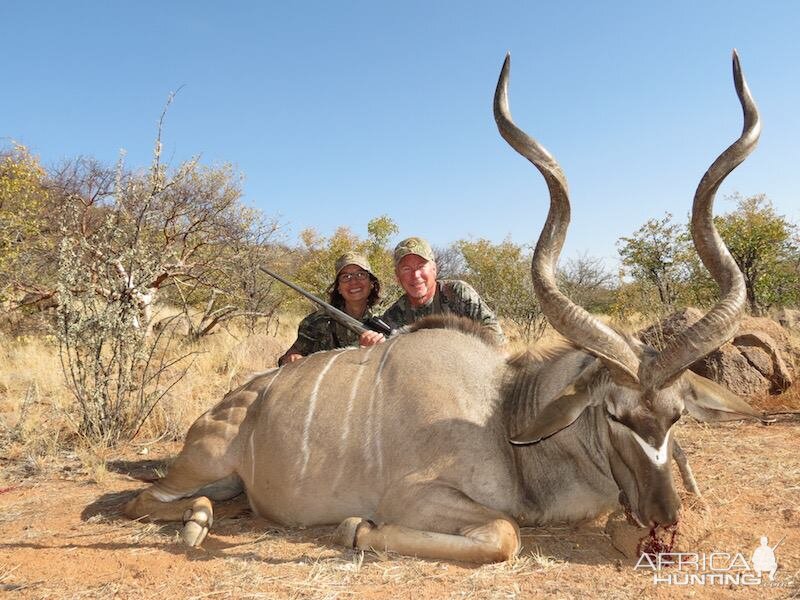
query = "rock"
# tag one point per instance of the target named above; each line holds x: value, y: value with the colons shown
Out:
x: 789, y: 319
x: 661, y: 332
x: 728, y: 367
x: 765, y: 354
x: 758, y: 357
x: 775, y: 333
x: 757, y: 361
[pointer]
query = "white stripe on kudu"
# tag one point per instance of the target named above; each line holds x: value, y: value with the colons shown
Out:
x: 349, y: 414
x: 658, y: 456
x: 271, y: 381
x: 374, y: 421
x: 353, y: 392
x: 277, y: 371
x: 312, y: 405
x: 252, y: 459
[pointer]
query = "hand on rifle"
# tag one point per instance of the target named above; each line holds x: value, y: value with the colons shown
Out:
x: 290, y: 356
x: 370, y: 338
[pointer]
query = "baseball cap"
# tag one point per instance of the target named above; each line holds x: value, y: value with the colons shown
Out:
x: 413, y: 245
x: 352, y: 258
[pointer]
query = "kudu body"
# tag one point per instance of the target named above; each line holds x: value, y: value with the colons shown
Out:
x: 406, y: 444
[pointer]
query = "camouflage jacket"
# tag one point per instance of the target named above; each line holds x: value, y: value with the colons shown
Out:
x: 452, y: 296
x: 319, y: 332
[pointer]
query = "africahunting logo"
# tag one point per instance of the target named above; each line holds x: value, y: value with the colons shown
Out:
x: 714, y: 568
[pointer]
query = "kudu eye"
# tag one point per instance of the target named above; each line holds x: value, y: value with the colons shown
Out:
x: 613, y: 417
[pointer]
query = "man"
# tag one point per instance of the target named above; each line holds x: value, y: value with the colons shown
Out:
x: 415, y: 269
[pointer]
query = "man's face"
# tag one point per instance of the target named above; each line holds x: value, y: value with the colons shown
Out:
x: 418, y: 278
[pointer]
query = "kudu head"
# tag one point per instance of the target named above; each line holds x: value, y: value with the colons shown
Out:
x: 641, y: 392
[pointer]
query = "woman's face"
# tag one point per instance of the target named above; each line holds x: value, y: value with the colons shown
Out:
x: 354, y: 284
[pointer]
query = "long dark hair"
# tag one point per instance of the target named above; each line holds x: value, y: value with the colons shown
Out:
x: 337, y: 299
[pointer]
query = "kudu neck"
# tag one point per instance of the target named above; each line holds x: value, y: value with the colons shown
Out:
x: 577, y: 454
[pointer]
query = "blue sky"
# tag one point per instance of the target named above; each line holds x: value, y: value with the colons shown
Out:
x: 337, y: 112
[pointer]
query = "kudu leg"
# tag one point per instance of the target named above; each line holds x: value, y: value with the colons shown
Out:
x: 197, y: 514
x: 441, y: 524
x: 195, y: 471
x: 685, y: 469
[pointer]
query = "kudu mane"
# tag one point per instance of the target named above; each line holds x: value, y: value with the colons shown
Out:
x: 453, y: 322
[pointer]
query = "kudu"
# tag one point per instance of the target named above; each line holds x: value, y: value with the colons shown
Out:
x: 406, y: 443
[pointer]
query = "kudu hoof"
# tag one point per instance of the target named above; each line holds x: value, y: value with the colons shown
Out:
x: 348, y: 531
x: 196, y: 524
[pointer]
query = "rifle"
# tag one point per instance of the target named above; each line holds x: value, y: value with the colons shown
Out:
x: 341, y: 317
x: 780, y: 541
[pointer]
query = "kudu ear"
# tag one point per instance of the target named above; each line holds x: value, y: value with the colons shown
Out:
x: 564, y: 410
x: 711, y: 402
x: 560, y: 413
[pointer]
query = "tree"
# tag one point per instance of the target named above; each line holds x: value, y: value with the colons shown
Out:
x: 380, y: 230
x: 450, y: 262
x: 24, y: 204
x: 501, y: 275
x: 211, y: 246
x: 207, y: 245
x: 113, y: 368
x: 127, y: 239
x: 656, y: 253
x: 319, y: 255
x: 587, y: 282
x: 764, y: 245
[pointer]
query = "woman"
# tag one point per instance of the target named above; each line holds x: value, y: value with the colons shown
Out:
x: 355, y: 291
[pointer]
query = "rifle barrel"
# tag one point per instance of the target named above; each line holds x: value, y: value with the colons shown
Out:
x: 339, y: 315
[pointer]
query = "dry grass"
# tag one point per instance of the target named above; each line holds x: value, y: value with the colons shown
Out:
x: 32, y: 395
x: 516, y: 342
x: 37, y: 410
x: 223, y: 362
x: 30, y: 361
x: 93, y: 459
